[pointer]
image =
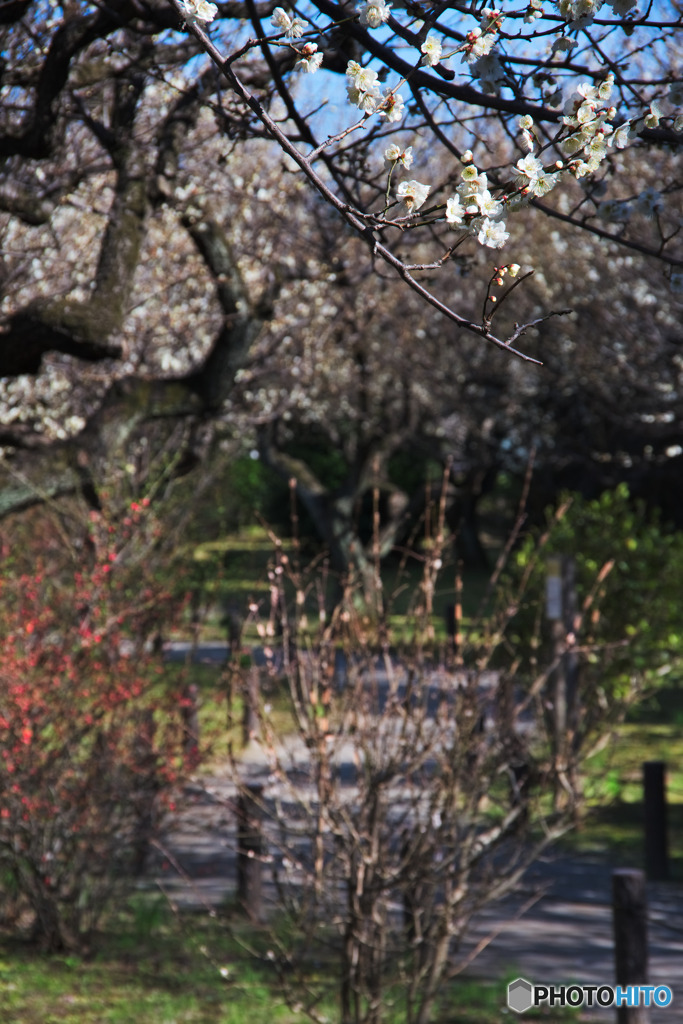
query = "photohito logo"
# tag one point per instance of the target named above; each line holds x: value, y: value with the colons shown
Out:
x: 522, y: 995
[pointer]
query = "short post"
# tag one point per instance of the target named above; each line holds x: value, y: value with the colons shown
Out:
x: 629, y: 908
x: 250, y: 718
x: 250, y: 851
x: 655, y: 820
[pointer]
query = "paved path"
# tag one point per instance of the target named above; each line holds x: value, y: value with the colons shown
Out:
x: 565, y: 937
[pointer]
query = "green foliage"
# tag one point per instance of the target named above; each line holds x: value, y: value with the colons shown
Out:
x: 628, y: 572
x: 237, y: 492
x: 191, y: 970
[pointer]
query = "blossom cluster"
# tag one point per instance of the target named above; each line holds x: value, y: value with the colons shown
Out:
x: 374, y: 13
x: 363, y: 91
x: 412, y: 195
x: 533, y: 178
x: 395, y: 155
x: 584, y: 141
x: 474, y: 207
x: 588, y: 117
x: 293, y: 28
x: 648, y: 204
x: 489, y: 71
x: 582, y: 12
x: 199, y: 10
x: 310, y: 58
x: 431, y: 50
x: 480, y: 41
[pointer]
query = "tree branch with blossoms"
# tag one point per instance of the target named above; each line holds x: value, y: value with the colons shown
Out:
x: 480, y: 209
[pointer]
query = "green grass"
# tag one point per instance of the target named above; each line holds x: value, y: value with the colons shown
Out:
x: 613, y: 785
x: 150, y: 976
x: 152, y: 967
x: 220, y: 712
x: 233, y: 572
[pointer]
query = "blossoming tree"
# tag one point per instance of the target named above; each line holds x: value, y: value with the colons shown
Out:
x: 572, y: 83
x: 142, y: 260
x: 359, y: 99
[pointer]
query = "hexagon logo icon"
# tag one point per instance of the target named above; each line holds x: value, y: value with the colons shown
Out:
x: 519, y: 995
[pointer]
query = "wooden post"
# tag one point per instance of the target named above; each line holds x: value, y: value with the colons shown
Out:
x: 655, y: 820
x: 629, y: 907
x: 250, y: 851
x: 250, y: 719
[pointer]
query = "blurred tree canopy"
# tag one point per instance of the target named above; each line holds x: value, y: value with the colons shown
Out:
x: 211, y: 243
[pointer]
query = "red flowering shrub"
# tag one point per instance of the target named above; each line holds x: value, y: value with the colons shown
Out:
x: 90, y: 743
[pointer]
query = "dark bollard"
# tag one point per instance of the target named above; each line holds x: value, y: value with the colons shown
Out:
x: 250, y: 851
x: 654, y: 803
x: 250, y: 711
x: 629, y: 908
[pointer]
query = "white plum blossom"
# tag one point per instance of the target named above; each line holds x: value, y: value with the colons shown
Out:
x: 648, y: 203
x: 526, y: 123
x: 292, y: 27
x: 395, y: 155
x: 579, y: 12
x: 455, y: 211
x: 491, y: 19
x: 492, y: 233
x: 533, y: 178
x: 365, y: 101
x: 362, y: 87
x: 431, y: 50
x: 653, y: 115
x: 280, y: 19
x: 480, y: 41
x: 478, y: 44
x: 476, y: 208
x: 489, y: 71
x: 622, y: 135
x: 473, y: 183
x: 562, y: 44
x: 533, y: 11
x: 614, y: 211
x: 375, y: 13
x: 310, y: 58
x: 199, y: 10
x: 412, y: 194
x: 528, y: 168
x: 471, y: 175
x: 621, y: 7
x: 364, y: 79
x: 584, y: 111
x: 483, y: 203
x: 544, y: 183
x: 391, y: 107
